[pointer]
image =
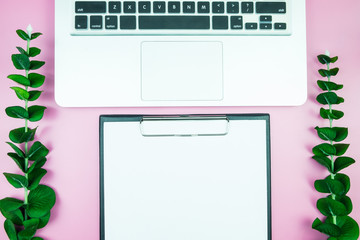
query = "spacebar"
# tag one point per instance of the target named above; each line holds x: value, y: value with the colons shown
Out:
x: 174, y: 22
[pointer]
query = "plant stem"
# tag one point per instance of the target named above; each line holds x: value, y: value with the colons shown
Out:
x: 26, y: 191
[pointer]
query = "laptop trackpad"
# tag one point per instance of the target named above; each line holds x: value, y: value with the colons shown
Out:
x: 181, y: 71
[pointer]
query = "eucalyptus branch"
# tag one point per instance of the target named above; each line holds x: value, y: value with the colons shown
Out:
x: 24, y: 217
x: 336, y: 207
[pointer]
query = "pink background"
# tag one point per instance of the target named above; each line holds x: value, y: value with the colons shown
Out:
x: 72, y: 133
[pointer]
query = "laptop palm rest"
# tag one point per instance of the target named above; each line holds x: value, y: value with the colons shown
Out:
x: 181, y: 71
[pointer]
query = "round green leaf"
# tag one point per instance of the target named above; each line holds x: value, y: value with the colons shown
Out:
x: 17, y: 181
x: 22, y: 34
x: 15, y: 216
x: 10, y: 204
x: 324, y: 149
x: 334, y: 59
x: 34, y: 51
x: 36, y: 113
x: 324, y: 59
x: 326, y: 228
x: 20, y: 161
x: 35, y: 35
x: 44, y: 221
x: 21, y: 93
x: 330, y: 186
x: 323, y: 160
x: 17, y: 149
x: 17, y: 112
x: 333, y: 114
x: 10, y: 229
x: 344, y: 179
x: 36, y: 80
x: 41, y: 200
x: 37, y: 164
x: 36, y: 65
x: 329, y: 86
x: 19, y: 79
x: 341, y: 134
x: 21, y: 61
x: 34, y: 95
x: 35, y: 177
x: 37, y: 238
x: 20, y: 136
x: 324, y: 72
x: 22, y: 51
x: 342, y: 162
x: 349, y: 228
x: 327, y: 98
x: 37, y: 151
x: 334, y: 71
x: 326, y: 133
x: 346, y: 201
x: 329, y: 207
x: 30, y: 227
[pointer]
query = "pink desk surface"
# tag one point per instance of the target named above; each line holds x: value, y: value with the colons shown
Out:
x: 72, y: 133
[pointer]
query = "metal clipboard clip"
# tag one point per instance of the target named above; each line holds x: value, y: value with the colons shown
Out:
x: 184, y: 126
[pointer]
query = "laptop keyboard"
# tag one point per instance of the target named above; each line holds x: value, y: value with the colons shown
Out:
x: 182, y: 18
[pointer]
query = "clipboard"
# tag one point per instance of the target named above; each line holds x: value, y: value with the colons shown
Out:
x: 198, y: 177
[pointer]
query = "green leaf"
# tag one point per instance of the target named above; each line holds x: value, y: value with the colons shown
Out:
x: 22, y: 51
x: 341, y: 134
x: 41, y: 200
x: 17, y: 112
x: 326, y: 228
x: 35, y: 177
x: 37, y: 238
x: 18, y: 181
x: 324, y: 149
x: 37, y: 151
x: 327, y: 98
x: 29, y: 230
x: 334, y: 59
x: 334, y: 71
x: 342, y: 162
x: 20, y: 161
x: 22, y: 34
x: 346, y: 201
x: 36, y: 65
x: 344, y: 179
x: 323, y: 160
x: 340, y: 100
x: 333, y: 114
x: 10, y: 229
x: 20, y: 136
x: 21, y: 93
x: 17, y: 149
x: 10, y: 204
x: 35, y: 35
x: 324, y: 73
x: 44, y: 221
x: 329, y: 86
x: 37, y: 164
x: 341, y: 148
x: 21, y: 61
x: 36, y: 80
x: 349, y: 228
x: 19, y: 79
x: 34, y: 95
x: 329, y: 207
x: 36, y: 113
x: 329, y: 186
x: 15, y: 216
x: 34, y: 51
x: 324, y: 59
x: 326, y: 133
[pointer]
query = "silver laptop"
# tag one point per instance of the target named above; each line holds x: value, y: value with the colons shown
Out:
x: 180, y: 53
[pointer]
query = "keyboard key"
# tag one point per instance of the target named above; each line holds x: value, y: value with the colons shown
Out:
x: 247, y: 7
x: 81, y: 22
x: 90, y: 7
x: 111, y: 22
x: 236, y: 22
x: 96, y: 22
x: 114, y: 7
x: 281, y: 26
x: 220, y: 22
x: 144, y: 7
x: 203, y: 7
x: 218, y: 7
x: 174, y: 22
x: 232, y: 7
x: 159, y: 7
x: 189, y: 7
x: 270, y: 7
x: 265, y: 26
x: 265, y: 18
x: 129, y: 7
x: 251, y: 26
x: 174, y: 7
x: 127, y: 22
